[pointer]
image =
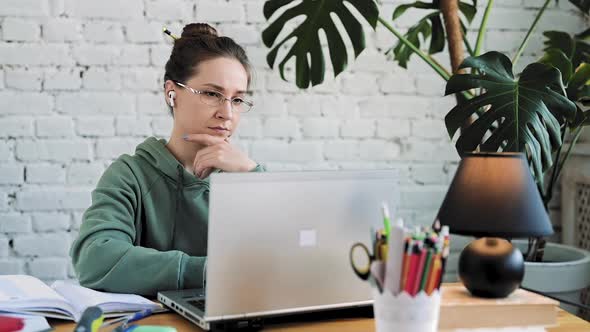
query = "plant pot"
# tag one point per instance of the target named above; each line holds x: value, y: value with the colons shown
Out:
x: 564, y: 273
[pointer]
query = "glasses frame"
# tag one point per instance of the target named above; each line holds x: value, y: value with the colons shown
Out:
x: 222, y: 99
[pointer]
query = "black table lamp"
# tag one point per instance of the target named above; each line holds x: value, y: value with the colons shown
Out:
x: 493, y: 197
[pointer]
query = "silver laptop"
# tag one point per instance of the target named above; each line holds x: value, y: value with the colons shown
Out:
x: 278, y: 243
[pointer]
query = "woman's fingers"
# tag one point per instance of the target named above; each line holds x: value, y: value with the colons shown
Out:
x: 206, y: 151
x: 205, y: 173
x: 218, y: 153
x: 211, y: 162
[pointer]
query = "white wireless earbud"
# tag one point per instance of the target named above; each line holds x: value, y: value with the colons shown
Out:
x: 171, y: 96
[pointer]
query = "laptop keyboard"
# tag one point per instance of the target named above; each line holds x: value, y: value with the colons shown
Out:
x: 199, y: 304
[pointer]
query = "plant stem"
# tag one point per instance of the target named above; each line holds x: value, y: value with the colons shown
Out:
x: 442, y: 71
x: 467, y: 45
x: 540, y: 189
x: 438, y: 64
x: 549, y: 193
x: 437, y: 68
x: 483, y: 28
x: 529, y: 33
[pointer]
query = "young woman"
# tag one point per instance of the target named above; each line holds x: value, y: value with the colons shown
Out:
x: 146, y: 229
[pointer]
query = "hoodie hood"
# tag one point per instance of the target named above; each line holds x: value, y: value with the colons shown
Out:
x: 155, y: 153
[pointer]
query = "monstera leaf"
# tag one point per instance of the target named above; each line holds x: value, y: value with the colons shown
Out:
x: 583, y: 5
x: 430, y: 26
x: 528, y: 111
x: 317, y: 17
x: 576, y: 49
x: 577, y: 84
x: 572, y: 57
x: 556, y: 58
x: 579, y: 90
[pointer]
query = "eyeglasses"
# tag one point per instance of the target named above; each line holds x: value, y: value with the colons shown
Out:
x: 214, y: 98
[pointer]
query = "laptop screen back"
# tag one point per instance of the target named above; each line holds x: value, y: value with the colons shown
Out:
x: 279, y: 242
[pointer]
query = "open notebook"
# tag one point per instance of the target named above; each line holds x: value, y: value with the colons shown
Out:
x: 27, y: 294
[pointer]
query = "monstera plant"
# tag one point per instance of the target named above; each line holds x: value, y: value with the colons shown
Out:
x: 497, y: 110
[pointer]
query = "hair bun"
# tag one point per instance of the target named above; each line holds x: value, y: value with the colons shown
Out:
x: 198, y: 30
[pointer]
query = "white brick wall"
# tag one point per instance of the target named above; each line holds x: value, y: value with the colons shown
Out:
x: 11, y: 174
x: 170, y: 10
x: 219, y: 11
x: 80, y: 84
x: 49, y: 268
x: 25, y: 54
x: 16, y: 126
x: 11, y: 266
x: 68, y: 79
x: 3, y: 201
x: 4, y: 248
x: 51, y: 244
x: 52, y: 199
x: 15, y: 29
x: 320, y: 127
x: 55, y: 126
x: 103, y: 32
x: 24, y: 8
x: 62, y: 30
x: 6, y: 148
x: 107, y: 9
x: 53, y: 150
x: 45, y: 173
x: 13, y: 102
x: 24, y: 79
x: 47, y: 222
x: 281, y: 127
x: 84, y: 173
x: 15, y: 223
x: 95, y: 126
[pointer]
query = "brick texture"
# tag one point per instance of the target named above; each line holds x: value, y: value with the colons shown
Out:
x: 81, y: 83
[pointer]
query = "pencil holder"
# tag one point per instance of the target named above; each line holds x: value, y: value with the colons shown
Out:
x: 403, y: 312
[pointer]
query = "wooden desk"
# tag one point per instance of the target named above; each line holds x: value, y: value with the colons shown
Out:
x: 566, y: 323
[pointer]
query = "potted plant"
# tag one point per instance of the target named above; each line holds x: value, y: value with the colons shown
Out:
x: 532, y: 112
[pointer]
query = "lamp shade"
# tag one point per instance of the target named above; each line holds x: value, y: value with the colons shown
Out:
x: 494, y: 194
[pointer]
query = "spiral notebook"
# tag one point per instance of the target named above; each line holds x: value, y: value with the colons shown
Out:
x: 64, y: 300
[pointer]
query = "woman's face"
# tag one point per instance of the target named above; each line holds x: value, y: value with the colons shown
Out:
x: 219, y: 75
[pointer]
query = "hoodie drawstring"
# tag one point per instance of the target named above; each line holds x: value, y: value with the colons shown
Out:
x: 179, y: 187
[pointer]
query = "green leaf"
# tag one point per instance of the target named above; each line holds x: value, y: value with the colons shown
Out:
x: 468, y: 10
x: 556, y: 58
x: 584, y: 35
x: 560, y: 40
x: 402, y: 52
x: 582, y: 118
x: 578, y: 90
x: 307, y: 43
x: 430, y: 26
x: 583, y: 5
x: 576, y: 48
x: 418, y: 4
x: 580, y: 78
x: 437, y: 40
x: 528, y: 111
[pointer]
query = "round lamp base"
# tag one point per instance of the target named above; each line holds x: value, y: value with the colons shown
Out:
x: 491, y: 267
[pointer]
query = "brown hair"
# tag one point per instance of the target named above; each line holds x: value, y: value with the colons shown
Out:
x: 197, y: 43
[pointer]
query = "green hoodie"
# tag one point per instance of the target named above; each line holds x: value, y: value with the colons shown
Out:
x: 146, y: 229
